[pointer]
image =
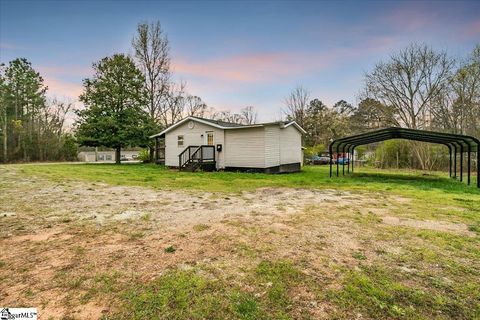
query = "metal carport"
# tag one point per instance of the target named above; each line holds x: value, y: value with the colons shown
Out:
x: 456, y: 144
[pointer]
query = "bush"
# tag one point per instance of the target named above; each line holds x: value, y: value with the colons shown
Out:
x: 316, y: 150
x: 405, y: 154
x: 393, y: 154
x: 69, y: 149
x: 144, y: 155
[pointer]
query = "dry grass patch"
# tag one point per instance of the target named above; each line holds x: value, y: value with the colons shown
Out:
x: 96, y: 250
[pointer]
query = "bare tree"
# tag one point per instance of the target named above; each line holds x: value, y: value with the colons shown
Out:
x: 457, y: 110
x: 409, y: 82
x: 152, y: 54
x: 249, y: 115
x: 174, y: 107
x: 296, y: 105
x: 228, y: 116
x: 195, y: 106
x: 51, y: 125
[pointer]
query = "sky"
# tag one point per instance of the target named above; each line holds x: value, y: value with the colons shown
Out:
x: 237, y: 53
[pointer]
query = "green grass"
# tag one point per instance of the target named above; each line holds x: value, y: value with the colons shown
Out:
x: 380, y: 293
x: 425, y: 190
x: 364, y: 179
x: 431, y: 274
x: 194, y: 294
x: 177, y: 295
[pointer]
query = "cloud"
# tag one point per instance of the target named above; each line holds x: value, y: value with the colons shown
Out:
x: 61, y: 88
x: 67, y: 70
x: 5, y: 45
x: 247, y: 68
x: 410, y: 19
x: 64, y: 81
x: 257, y: 67
x: 230, y: 73
x: 472, y: 30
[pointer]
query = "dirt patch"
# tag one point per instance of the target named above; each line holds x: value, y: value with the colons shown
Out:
x: 69, y: 248
x: 443, y: 226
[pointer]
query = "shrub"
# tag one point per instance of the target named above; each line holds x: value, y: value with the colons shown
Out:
x: 144, y: 155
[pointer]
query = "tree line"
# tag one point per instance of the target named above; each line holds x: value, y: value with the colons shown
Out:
x: 32, y: 127
x: 416, y: 88
x: 129, y: 98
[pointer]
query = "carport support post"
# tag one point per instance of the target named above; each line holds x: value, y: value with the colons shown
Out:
x: 461, y: 162
x: 468, y: 165
x: 343, y: 162
x: 331, y: 158
x: 353, y: 155
x: 337, y: 159
x: 478, y: 165
x: 450, y: 158
x: 455, y: 162
x: 348, y: 164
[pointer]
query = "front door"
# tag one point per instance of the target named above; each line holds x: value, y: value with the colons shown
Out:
x: 209, y: 138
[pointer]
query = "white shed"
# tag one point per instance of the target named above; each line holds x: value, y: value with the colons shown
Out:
x: 211, y: 144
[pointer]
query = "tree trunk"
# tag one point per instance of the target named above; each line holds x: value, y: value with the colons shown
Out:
x: 117, y: 155
x: 417, y: 149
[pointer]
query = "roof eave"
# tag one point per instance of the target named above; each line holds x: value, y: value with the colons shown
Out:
x: 296, y: 125
x: 183, y: 121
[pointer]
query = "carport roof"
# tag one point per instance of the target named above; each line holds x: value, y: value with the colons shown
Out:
x: 409, y: 134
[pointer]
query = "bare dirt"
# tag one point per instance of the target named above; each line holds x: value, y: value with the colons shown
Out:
x: 63, y: 244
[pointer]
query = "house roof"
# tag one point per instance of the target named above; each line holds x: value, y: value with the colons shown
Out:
x: 219, y: 122
x: 228, y: 125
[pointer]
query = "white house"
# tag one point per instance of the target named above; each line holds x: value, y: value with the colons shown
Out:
x: 211, y: 144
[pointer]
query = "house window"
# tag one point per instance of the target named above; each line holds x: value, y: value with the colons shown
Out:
x: 180, y: 141
x: 108, y: 157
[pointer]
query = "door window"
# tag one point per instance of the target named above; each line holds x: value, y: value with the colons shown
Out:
x: 210, y: 138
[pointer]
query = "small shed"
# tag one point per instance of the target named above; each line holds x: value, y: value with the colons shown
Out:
x: 194, y: 142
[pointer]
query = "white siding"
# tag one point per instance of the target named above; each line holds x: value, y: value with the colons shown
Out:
x: 290, y: 145
x: 260, y: 147
x: 245, y: 148
x: 192, y: 137
x: 272, y: 146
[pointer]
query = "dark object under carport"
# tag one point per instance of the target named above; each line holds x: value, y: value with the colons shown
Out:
x: 456, y: 144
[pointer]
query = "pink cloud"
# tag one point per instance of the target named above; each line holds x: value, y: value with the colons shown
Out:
x: 253, y: 67
x: 266, y: 67
x: 69, y: 70
x: 54, y: 77
x: 411, y: 18
x: 258, y: 67
x: 4, y: 45
x: 61, y: 88
x: 472, y: 30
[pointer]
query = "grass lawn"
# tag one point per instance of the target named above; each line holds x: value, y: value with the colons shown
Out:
x: 143, y: 242
x: 364, y: 179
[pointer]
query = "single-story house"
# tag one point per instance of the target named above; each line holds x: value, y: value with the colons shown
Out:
x: 217, y: 145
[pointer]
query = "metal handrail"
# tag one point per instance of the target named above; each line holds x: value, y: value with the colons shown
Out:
x: 198, y: 155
